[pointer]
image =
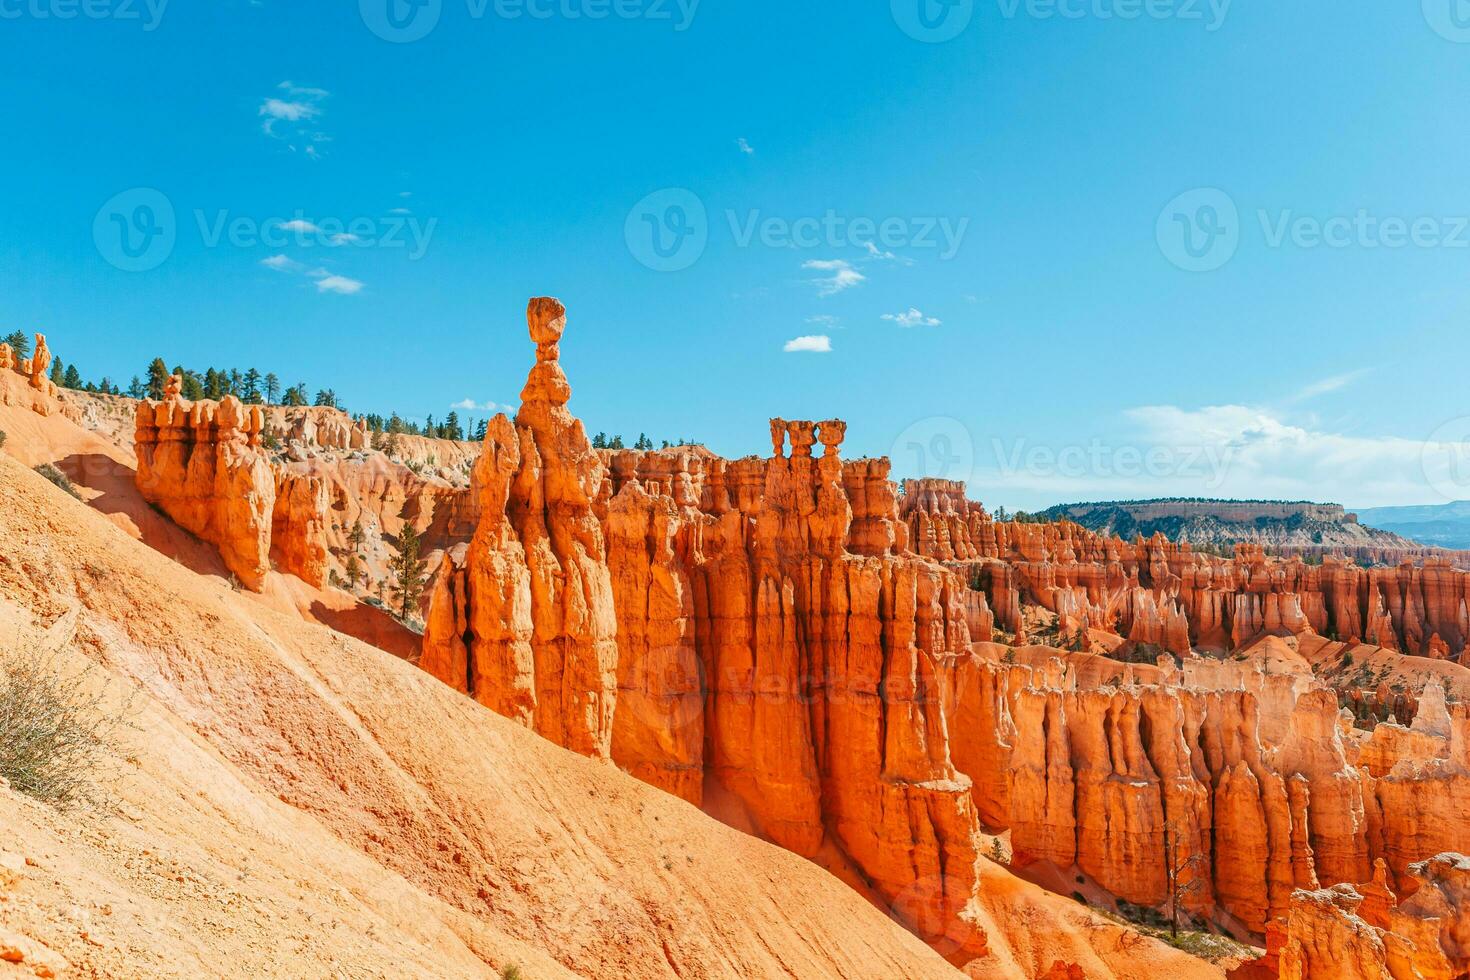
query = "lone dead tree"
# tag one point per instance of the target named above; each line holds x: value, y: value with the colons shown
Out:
x: 1183, y: 874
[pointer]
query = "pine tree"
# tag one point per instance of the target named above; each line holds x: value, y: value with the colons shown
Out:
x: 296, y: 397
x: 357, y: 535
x: 482, y: 428
x: 408, y: 571
x: 617, y: 443
x: 213, y: 386
x: 354, y: 571
x: 452, y: 428
x: 643, y: 442
x: 135, y: 388
x: 73, y: 378
x: 599, y: 441
x: 327, y: 398
x: 251, y: 382
x: 192, y: 389
x: 105, y: 386
x: 20, y: 344
x: 272, y: 388
x: 58, y: 373
x: 157, y: 378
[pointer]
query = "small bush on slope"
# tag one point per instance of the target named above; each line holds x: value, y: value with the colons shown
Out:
x: 2, y: 437
x: 59, y: 478
x: 55, y: 736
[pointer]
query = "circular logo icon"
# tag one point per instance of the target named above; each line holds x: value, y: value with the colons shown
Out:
x: 1445, y: 458
x: 938, y: 447
x: 400, y: 21
x: 1199, y: 230
x: 1449, y: 18
x: 933, y: 21
x: 668, y: 230
x: 135, y: 231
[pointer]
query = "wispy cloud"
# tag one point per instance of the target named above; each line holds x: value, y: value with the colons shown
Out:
x: 913, y: 318
x: 291, y: 115
x: 880, y: 255
x: 326, y: 280
x: 1327, y: 385
x: 842, y: 275
x: 745, y: 146
x: 816, y: 344
x: 823, y: 320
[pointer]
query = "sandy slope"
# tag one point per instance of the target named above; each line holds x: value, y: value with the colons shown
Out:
x: 296, y: 803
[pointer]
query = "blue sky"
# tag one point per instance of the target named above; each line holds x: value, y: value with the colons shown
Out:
x: 1027, y: 321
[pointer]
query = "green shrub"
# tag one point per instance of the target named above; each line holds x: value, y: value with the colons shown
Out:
x: 511, y: 972
x: 2, y: 437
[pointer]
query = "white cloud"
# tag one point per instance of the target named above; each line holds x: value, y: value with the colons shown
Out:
x: 280, y: 263
x: 291, y: 116
x: 913, y: 318
x: 338, y: 284
x: 290, y: 111
x: 818, y: 344
x: 300, y: 225
x: 745, y: 146
x: 823, y: 320
x: 344, y: 238
x: 405, y: 193
x: 1235, y: 452
x: 470, y: 405
x: 843, y: 275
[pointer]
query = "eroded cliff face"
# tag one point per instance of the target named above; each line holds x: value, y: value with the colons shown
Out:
x: 757, y: 636
x: 1160, y: 592
x: 202, y: 463
x: 1113, y: 778
x: 754, y: 622
x: 1364, y: 932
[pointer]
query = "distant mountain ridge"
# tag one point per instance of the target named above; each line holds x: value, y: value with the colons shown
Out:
x: 1440, y: 525
x: 1222, y: 523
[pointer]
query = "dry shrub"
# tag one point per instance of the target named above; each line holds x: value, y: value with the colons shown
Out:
x: 57, y: 736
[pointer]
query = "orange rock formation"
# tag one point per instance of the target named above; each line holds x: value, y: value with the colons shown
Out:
x: 1156, y: 591
x: 202, y: 464
x: 777, y: 643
